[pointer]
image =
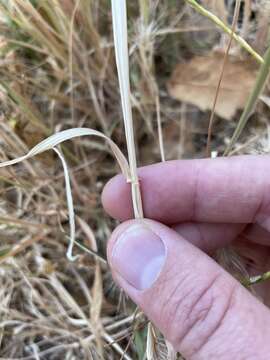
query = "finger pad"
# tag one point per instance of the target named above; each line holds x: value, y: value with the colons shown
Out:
x: 116, y: 197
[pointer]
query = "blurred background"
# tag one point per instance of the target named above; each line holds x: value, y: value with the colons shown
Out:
x: 57, y: 71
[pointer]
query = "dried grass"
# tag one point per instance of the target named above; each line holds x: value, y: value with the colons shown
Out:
x: 58, y: 72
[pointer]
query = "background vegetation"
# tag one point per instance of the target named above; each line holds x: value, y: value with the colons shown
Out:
x: 57, y: 71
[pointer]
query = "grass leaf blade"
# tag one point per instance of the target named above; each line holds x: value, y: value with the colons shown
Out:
x: 252, y: 101
x: 119, y: 16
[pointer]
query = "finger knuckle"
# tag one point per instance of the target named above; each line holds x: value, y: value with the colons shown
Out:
x: 194, y: 315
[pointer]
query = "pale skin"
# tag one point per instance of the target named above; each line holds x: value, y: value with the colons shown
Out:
x: 194, y: 207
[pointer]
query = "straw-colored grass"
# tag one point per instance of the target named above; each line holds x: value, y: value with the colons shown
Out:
x: 58, y: 72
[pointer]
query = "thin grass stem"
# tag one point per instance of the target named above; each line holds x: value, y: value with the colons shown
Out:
x: 160, y: 133
x: 252, y: 101
x: 144, y: 10
x: 206, y: 13
x: 256, y: 279
x: 91, y: 252
x: 71, y: 215
x: 211, y: 121
x: 119, y: 16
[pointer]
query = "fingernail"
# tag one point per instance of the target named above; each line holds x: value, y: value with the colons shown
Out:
x: 138, y: 256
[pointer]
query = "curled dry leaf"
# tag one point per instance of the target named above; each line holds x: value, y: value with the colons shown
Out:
x: 50, y: 143
x: 196, y: 81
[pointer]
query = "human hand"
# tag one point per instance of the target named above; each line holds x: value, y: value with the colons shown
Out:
x: 196, y: 207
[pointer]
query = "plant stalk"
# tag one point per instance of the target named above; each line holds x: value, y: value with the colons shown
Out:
x: 119, y: 17
x: 200, y: 9
x: 252, y: 101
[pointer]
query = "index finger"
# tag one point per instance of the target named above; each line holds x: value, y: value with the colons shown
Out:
x: 223, y: 190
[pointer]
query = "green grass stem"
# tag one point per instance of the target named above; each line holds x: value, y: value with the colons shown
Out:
x: 208, y: 14
x: 252, y: 101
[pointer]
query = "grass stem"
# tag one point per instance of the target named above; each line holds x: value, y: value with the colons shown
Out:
x: 256, y: 279
x: 252, y: 101
x: 211, y: 121
x: 200, y: 9
x: 119, y: 16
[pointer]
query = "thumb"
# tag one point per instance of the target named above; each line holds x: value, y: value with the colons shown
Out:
x: 203, y: 311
